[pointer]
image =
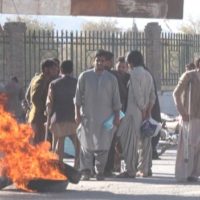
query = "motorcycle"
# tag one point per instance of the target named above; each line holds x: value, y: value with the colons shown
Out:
x: 169, y: 133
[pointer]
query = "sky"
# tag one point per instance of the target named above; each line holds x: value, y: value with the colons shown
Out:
x: 191, y: 10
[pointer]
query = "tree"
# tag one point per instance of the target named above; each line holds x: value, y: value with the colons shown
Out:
x: 33, y: 24
x: 192, y: 26
x: 103, y: 25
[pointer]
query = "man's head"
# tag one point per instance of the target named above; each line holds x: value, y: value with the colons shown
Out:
x: 57, y: 61
x: 99, y: 60
x: 66, y: 67
x: 109, y: 60
x: 198, y: 63
x: 14, y: 79
x: 190, y: 67
x: 135, y: 59
x: 121, y: 65
x: 49, y: 68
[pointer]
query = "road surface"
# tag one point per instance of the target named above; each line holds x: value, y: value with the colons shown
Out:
x: 162, y: 186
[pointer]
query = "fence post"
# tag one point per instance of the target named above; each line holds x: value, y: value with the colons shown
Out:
x: 154, y: 51
x: 15, y: 56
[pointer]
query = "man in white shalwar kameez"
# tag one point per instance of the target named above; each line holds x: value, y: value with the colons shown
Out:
x: 97, y: 98
x: 141, y: 98
x: 187, y: 100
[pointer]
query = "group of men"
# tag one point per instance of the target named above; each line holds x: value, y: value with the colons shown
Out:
x: 68, y: 106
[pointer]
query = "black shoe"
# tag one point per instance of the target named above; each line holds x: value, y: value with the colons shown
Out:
x: 155, y: 156
x: 108, y: 174
x: 192, y: 179
x: 150, y: 173
x: 93, y: 174
x: 72, y: 174
x: 75, y: 178
x: 125, y: 175
x: 100, y: 177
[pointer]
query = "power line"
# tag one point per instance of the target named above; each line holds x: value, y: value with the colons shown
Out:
x: 167, y: 25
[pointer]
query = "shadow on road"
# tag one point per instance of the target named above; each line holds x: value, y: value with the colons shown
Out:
x: 85, y: 195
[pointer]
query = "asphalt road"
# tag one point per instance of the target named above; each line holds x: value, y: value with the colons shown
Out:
x: 161, y: 186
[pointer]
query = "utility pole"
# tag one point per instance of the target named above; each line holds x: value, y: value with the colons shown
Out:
x: 134, y: 26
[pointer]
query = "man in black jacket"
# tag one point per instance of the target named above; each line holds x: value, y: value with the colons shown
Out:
x: 60, y: 108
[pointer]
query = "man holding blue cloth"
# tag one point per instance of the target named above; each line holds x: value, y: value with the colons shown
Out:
x: 97, y: 98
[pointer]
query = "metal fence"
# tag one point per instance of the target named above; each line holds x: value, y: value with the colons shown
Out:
x: 3, y: 46
x: 177, y: 50
x: 77, y: 46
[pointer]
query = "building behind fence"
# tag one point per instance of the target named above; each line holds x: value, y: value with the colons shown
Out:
x: 166, y: 54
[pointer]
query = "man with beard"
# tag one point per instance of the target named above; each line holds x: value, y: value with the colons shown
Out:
x: 97, y: 98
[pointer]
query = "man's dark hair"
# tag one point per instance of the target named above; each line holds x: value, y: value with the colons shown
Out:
x: 67, y: 67
x: 121, y: 59
x: 14, y: 78
x: 190, y: 66
x: 109, y: 55
x: 48, y: 63
x: 135, y: 58
x: 57, y: 61
x: 100, y: 53
x: 197, y: 63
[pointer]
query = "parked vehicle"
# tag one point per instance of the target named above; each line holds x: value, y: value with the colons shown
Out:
x: 169, y: 132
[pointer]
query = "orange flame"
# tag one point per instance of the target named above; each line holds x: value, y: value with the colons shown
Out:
x: 21, y: 161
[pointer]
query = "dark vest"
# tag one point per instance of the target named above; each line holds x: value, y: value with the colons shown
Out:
x: 122, y: 80
x: 63, y: 90
x: 155, y: 112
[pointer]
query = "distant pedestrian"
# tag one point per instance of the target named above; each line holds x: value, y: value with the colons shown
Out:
x: 57, y: 61
x: 15, y: 95
x: 121, y: 65
x: 123, y: 78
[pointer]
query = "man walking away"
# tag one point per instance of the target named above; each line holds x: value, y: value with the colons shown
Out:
x: 60, y: 108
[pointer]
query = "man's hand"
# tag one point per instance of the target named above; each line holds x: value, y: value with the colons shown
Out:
x: 77, y: 118
x: 144, y: 115
x: 77, y: 114
x: 185, y: 117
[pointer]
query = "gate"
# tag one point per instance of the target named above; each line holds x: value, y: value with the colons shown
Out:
x: 76, y: 46
x: 167, y: 51
x: 177, y: 51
